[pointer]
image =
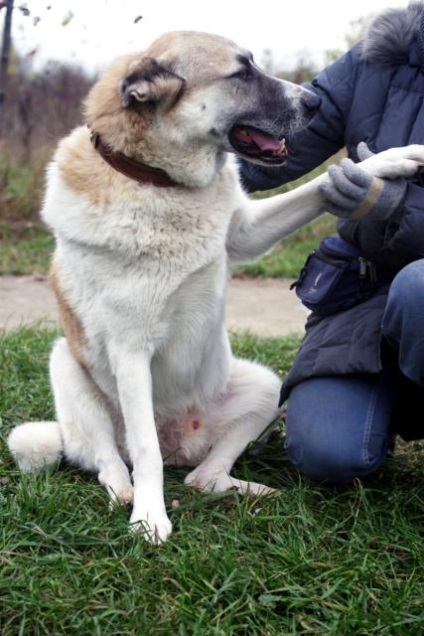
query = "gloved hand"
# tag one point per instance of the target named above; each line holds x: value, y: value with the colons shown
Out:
x: 363, y: 151
x: 351, y: 193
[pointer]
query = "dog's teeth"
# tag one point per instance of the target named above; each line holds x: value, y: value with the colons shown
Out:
x: 282, y: 147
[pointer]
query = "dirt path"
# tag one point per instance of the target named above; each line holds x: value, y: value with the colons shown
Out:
x: 261, y: 307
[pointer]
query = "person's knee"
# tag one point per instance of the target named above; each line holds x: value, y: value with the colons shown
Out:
x: 337, y: 427
x: 408, y: 285
x: 402, y: 320
x: 322, y: 461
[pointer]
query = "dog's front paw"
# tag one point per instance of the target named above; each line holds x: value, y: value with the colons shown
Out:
x: 121, y: 498
x: 155, y: 527
x: 118, y: 485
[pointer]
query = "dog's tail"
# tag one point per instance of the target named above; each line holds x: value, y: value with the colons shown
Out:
x: 35, y: 445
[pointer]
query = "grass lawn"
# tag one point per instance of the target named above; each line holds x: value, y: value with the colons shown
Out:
x: 307, y: 560
x: 26, y: 248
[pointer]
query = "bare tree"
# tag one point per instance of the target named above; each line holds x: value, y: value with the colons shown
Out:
x: 5, y: 51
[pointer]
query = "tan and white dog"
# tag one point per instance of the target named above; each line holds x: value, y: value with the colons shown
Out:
x: 148, y: 212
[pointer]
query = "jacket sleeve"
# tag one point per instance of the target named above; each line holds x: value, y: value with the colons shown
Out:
x: 322, y: 137
x: 395, y: 242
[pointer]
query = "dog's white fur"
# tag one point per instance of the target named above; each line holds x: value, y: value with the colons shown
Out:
x: 146, y: 372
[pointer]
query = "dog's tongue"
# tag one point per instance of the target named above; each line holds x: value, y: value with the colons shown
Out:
x: 262, y: 140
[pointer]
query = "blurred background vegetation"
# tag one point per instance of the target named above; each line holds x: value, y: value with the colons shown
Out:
x: 37, y: 108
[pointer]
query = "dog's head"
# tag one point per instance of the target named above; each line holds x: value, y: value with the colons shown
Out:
x: 196, y: 93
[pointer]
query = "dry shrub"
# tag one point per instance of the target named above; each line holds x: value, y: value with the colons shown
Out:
x: 40, y: 108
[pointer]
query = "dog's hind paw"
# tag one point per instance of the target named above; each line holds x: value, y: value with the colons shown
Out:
x: 209, y: 479
x: 252, y: 488
x: 216, y: 480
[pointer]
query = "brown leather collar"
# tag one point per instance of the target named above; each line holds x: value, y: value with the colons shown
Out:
x: 140, y: 172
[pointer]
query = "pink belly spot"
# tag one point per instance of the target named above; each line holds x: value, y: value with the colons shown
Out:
x: 195, y: 424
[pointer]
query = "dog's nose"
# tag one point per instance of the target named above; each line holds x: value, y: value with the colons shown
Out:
x: 310, y: 101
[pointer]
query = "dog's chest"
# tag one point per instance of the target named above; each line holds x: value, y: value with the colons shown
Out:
x: 160, y: 295
x: 154, y: 266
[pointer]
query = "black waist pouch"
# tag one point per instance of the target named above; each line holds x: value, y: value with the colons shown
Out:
x: 337, y: 276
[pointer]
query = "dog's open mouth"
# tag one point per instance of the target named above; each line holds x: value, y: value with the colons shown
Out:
x: 257, y: 144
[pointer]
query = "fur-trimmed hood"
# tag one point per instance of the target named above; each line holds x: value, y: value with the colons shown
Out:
x: 389, y: 37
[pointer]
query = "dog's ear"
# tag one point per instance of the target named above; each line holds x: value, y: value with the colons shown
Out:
x: 148, y: 81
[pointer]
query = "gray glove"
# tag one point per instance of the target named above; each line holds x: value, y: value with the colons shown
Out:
x: 363, y: 151
x: 351, y: 193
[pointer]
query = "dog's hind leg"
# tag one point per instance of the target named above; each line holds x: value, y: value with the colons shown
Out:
x: 86, y: 424
x: 249, y: 406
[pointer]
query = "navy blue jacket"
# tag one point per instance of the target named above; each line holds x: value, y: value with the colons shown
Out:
x: 374, y: 93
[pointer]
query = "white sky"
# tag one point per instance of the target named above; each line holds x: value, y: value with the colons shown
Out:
x: 102, y: 29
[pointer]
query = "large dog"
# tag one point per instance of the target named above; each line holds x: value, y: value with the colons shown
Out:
x: 148, y: 212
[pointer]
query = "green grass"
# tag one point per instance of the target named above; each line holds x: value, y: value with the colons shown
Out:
x: 22, y: 184
x: 26, y: 249
x: 308, y: 560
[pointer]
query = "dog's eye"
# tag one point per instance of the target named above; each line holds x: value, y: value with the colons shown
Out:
x: 243, y: 74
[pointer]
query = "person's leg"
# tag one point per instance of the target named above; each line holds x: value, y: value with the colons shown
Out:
x: 403, y: 320
x: 337, y: 428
